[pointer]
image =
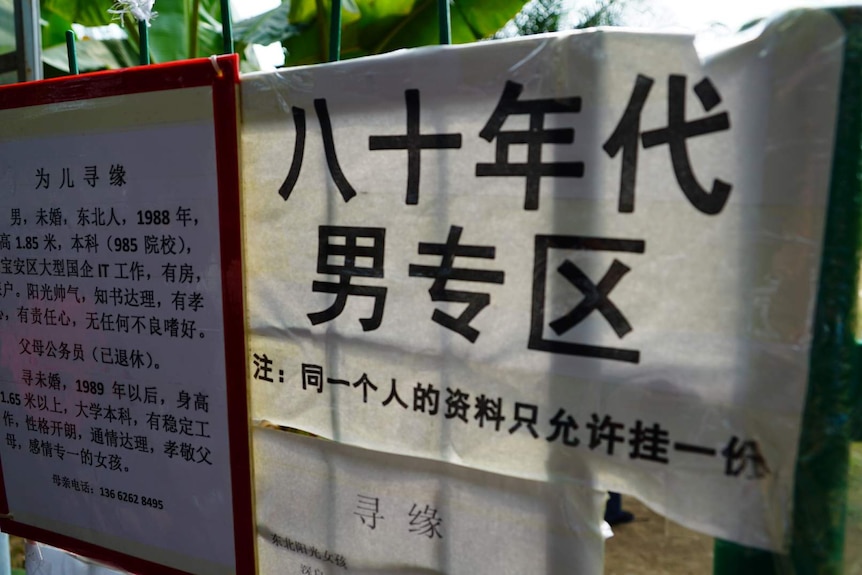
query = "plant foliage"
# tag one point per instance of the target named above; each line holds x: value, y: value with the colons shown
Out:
x: 192, y: 28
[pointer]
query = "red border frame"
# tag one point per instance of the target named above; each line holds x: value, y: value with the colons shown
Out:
x: 222, y: 73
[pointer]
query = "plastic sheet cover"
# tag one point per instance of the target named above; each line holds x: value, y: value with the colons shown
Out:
x: 47, y: 560
x: 587, y: 257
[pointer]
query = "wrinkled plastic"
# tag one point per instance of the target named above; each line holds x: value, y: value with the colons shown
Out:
x: 47, y: 560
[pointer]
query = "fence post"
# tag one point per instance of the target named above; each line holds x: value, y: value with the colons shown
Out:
x: 226, y: 27
x: 335, y: 31
x: 445, y: 21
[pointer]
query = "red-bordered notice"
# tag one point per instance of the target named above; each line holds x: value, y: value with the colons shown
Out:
x: 123, y: 408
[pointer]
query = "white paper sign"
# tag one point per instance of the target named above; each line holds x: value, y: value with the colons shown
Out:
x: 325, y: 508
x: 112, y: 372
x: 589, y: 256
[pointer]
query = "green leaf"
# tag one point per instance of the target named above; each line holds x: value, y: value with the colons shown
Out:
x: 209, y: 34
x: 267, y: 28
x: 93, y: 55
x: 86, y: 12
x: 418, y: 28
x: 372, y: 11
x: 54, y: 29
x: 209, y: 18
x: 484, y: 17
x: 350, y: 12
x: 304, y: 48
x: 212, y: 7
x: 349, y: 6
x: 303, y: 28
x: 384, y: 25
x: 169, y: 32
x: 209, y: 40
x: 302, y: 11
x: 380, y: 18
x: 124, y: 52
x: 471, y: 20
x: 350, y: 16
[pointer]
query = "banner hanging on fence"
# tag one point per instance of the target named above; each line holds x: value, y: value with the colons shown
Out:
x: 119, y: 254
x: 590, y: 256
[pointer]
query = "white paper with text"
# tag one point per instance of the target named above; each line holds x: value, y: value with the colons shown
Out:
x: 589, y: 256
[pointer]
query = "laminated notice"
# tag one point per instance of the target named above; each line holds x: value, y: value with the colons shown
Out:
x: 121, y: 320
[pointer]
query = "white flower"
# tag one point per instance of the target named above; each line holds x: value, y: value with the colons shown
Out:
x: 141, y: 10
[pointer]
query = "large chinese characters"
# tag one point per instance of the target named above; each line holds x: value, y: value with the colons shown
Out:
x: 355, y: 256
x: 353, y: 253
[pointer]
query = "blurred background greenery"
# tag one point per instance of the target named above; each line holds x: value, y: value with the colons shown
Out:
x: 193, y: 28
